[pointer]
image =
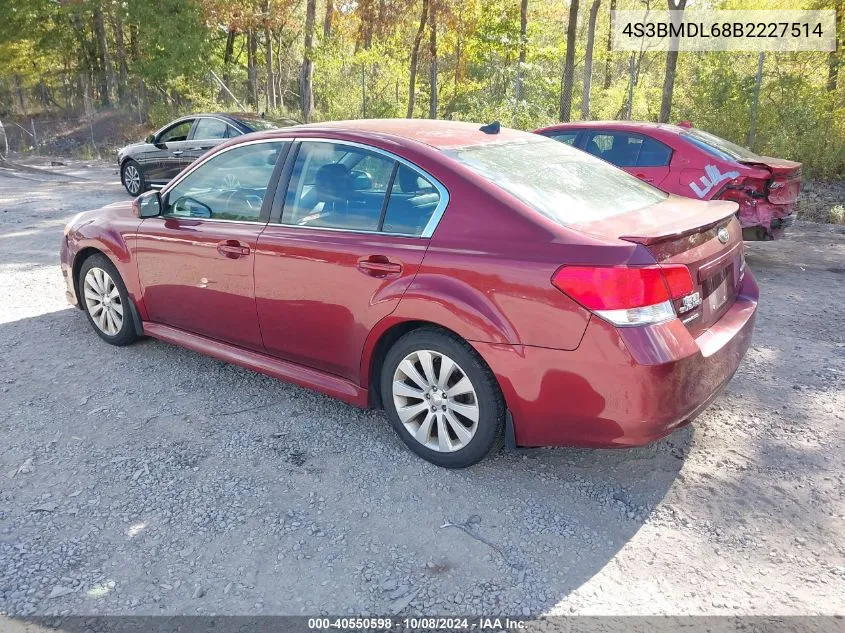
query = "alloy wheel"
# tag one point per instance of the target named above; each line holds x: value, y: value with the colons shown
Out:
x: 102, y: 299
x: 435, y: 400
x: 132, y: 179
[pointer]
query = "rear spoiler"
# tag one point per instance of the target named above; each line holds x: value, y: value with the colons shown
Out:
x: 683, y: 225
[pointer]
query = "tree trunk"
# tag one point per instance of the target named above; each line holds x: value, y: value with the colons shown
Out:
x: 120, y: 52
x: 523, y: 44
x: 327, y: 21
x: 432, y: 49
x: 588, y: 61
x: 106, y: 68
x: 671, y: 67
x: 222, y: 95
x: 415, y: 54
x: 366, y: 15
x: 306, y: 75
x: 270, y: 92
x: 569, y: 63
x: 833, y: 57
x: 252, y: 71
x: 758, y: 83
x: 607, y: 65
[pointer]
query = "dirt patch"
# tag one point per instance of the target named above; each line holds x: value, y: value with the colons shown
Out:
x: 823, y: 201
x: 83, y: 137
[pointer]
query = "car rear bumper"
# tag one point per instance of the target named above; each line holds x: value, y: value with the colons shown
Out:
x: 622, y: 386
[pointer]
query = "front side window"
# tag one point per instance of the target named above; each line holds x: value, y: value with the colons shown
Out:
x: 339, y: 186
x: 211, y: 129
x: 558, y: 181
x: 229, y: 186
x: 178, y: 132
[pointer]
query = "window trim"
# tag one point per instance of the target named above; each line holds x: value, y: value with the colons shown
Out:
x: 278, y: 215
x: 264, y: 215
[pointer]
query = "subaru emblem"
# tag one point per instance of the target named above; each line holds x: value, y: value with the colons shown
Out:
x: 723, y: 235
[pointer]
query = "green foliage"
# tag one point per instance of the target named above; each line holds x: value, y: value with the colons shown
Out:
x: 52, y: 59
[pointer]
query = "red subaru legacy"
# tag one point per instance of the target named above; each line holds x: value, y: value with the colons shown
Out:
x: 479, y: 284
x: 690, y: 162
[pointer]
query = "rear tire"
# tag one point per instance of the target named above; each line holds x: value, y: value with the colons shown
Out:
x: 106, y: 302
x: 442, y: 399
x: 132, y: 177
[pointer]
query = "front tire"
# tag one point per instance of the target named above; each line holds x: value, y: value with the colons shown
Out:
x: 132, y: 177
x: 442, y: 399
x: 106, y: 301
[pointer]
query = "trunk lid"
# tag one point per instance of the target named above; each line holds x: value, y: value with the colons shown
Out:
x: 689, y: 232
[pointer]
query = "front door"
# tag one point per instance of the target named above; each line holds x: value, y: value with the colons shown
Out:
x: 195, y: 261
x: 171, y: 147
x: 351, y: 237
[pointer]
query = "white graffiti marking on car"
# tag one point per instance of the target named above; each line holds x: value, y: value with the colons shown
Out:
x: 711, y: 178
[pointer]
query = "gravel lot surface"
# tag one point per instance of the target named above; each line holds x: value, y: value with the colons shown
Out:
x: 153, y: 480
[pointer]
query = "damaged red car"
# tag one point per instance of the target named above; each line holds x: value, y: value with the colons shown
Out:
x: 689, y: 162
x: 479, y: 284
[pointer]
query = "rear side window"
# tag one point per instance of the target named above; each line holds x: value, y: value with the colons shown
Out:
x: 339, y: 186
x: 628, y: 150
x: 210, y: 129
x: 563, y: 137
x: 560, y: 182
x: 413, y: 200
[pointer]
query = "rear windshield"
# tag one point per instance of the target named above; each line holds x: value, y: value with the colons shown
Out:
x: 259, y: 124
x: 719, y: 147
x: 564, y: 184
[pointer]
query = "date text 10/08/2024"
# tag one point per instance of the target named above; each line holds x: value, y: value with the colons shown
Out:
x: 426, y: 623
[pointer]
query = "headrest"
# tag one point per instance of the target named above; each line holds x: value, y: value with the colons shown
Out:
x: 332, y: 181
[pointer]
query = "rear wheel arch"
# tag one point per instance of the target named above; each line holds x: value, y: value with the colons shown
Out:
x: 387, y: 339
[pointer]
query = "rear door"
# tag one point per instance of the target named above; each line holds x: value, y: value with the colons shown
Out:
x: 344, y: 243
x: 642, y: 156
x: 206, y: 133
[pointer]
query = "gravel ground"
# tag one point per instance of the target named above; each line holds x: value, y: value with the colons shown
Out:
x: 153, y: 480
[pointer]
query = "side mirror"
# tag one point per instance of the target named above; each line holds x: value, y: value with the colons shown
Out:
x: 151, y: 139
x: 147, y: 205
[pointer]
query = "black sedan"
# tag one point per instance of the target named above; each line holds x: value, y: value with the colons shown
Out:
x: 162, y: 155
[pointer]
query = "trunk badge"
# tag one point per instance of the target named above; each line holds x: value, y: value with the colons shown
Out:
x: 723, y: 235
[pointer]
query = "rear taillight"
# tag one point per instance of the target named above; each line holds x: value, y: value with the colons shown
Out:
x: 626, y: 295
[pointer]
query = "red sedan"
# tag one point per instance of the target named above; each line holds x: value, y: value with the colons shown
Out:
x: 689, y: 162
x: 479, y: 284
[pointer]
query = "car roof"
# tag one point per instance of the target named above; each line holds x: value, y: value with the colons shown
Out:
x: 436, y: 133
x: 634, y: 126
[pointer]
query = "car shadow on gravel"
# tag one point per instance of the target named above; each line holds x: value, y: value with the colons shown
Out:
x: 152, y: 480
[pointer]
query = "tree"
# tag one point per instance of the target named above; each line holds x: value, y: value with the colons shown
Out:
x: 671, y: 64
x: 523, y: 43
x: 432, y: 49
x: 306, y: 75
x: 415, y: 53
x: 569, y: 63
x: 607, y: 63
x: 588, y: 61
